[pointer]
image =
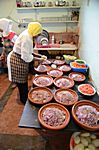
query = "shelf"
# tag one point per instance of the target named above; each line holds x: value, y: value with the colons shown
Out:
x: 66, y: 7
x: 25, y: 23
x: 58, y: 21
x: 55, y: 48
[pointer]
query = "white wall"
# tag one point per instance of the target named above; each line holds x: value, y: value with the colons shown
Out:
x: 8, y: 8
x: 89, y: 37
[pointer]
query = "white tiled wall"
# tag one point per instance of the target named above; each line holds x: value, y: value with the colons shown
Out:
x: 89, y: 37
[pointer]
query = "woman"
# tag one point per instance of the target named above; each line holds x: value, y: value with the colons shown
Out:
x: 18, y: 60
x: 8, y: 37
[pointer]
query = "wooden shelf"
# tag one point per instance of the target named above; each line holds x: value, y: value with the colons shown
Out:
x: 59, y: 21
x: 66, y: 7
x: 74, y: 48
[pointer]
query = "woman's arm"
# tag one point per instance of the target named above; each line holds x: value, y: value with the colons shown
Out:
x: 36, y: 55
x: 39, y: 56
x: 38, y: 59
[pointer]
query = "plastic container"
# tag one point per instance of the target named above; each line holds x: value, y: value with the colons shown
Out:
x: 80, y: 61
x: 69, y: 58
x: 82, y: 70
x: 43, y: 38
x: 52, y: 39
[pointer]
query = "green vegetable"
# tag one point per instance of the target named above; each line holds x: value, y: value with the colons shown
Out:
x: 69, y: 57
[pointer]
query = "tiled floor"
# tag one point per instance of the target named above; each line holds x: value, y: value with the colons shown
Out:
x: 15, y: 138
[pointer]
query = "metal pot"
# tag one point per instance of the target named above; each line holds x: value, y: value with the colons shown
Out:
x: 43, y: 38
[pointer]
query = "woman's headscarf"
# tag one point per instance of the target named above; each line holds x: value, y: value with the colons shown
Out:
x: 34, y: 28
x: 6, y: 26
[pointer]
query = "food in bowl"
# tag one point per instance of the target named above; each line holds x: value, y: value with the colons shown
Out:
x: 86, y: 89
x: 42, y: 68
x: 76, y: 76
x: 66, y: 96
x: 53, y: 116
x: 64, y: 82
x: 59, y: 62
x: 42, y: 80
x: 55, y: 73
x: 54, y: 66
x: 89, y: 141
x: 86, y: 114
x: 76, y: 65
x: 40, y: 95
x: 80, y: 61
x: 46, y: 62
x: 69, y: 58
x: 64, y: 68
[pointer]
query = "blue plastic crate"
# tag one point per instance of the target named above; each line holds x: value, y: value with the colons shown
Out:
x: 81, y: 70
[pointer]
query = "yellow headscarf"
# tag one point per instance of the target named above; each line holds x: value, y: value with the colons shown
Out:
x: 34, y: 28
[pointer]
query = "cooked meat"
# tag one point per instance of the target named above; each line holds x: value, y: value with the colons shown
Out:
x: 63, y: 82
x: 55, y: 73
x: 46, y: 62
x: 65, y: 97
x: 40, y: 96
x: 43, y: 81
x: 41, y: 68
x: 87, y: 115
x: 77, y: 77
x: 59, y: 62
x: 53, y: 116
x: 65, y: 68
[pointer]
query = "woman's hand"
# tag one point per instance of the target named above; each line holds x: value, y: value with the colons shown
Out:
x: 43, y: 57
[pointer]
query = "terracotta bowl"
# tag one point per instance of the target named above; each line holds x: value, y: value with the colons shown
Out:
x: 59, y: 62
x: 66, y: 97
x: 74, y: 109
x: 42, y: 80
x: 76, y: 76
x: 53, y: 107
x: 42, y: 68
x: 55, y: 73
x: 40, y: 95
x: 64, y: 82
x: 86, y: 89
x: 64, y: 68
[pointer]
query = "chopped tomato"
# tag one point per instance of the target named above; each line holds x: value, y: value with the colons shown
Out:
x: 86, y: 88
x: 76, y: 65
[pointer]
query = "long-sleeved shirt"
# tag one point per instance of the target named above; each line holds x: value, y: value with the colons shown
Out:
x: 24, y: 46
